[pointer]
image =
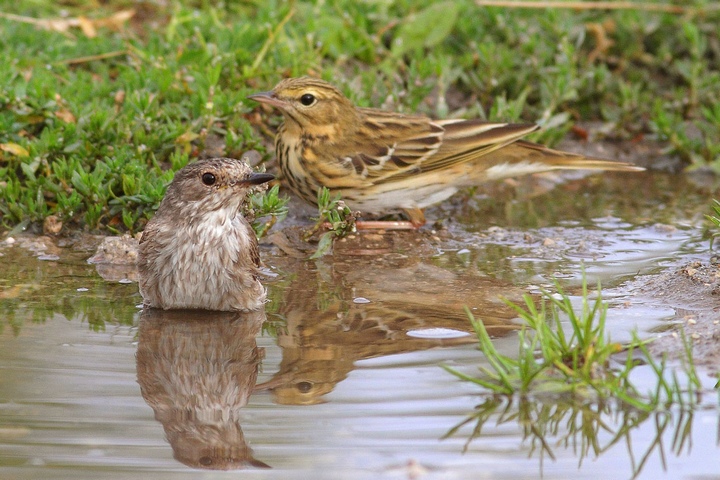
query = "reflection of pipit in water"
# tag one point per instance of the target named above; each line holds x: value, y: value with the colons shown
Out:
x: 326, y: 332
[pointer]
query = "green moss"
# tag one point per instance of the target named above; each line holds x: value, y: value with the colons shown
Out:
x: 102, y: 119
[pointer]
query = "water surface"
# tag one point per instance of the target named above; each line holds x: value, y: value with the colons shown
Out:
x: 328, y: 382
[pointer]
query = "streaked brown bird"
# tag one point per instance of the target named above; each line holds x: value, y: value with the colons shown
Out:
x: 198, y: 251
x: 381, y: 162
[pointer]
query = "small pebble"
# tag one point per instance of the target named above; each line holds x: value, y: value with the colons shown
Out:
x: 412, y: 469
x: 83, y: 289
x: 10, y: 240
x: 52, y: 225
x: 463, y: 251
x: 661, y: 227
x: 51, y: 258
x: 268, y: 272
x: 361, y: 300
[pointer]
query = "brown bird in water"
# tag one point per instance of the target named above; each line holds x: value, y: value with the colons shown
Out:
x: 380, y: 161
x: 198, y: 251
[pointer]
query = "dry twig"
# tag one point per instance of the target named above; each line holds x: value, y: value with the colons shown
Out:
x: 589, y: 5
x: 63, y: 25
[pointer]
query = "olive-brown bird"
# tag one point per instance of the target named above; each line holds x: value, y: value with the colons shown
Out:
x: 380, y: 161
x: 198, y: 251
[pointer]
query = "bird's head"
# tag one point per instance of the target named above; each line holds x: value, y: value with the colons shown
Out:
x: 311, y: 104
x: 211, y: 185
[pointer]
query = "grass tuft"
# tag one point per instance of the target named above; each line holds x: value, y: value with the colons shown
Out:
x: 579, y: 363
x: 568, y: 390
x: 336, y: 217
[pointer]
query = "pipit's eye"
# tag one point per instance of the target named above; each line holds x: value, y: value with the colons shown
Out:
x: 208, y: 178
x: 304, y: 387
x: 307, y: 99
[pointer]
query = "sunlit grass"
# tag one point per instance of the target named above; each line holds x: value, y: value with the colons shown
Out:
x: 336, y: 216
x: 573, y: 390
x: 266, y: 208
x: 715, y: 220
x: 578, y: 363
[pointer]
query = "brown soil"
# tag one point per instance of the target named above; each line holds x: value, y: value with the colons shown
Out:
x: 693, y: 291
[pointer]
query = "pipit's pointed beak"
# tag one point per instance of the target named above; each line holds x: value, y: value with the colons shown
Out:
x: 267, y: 97
x: 259, y: 178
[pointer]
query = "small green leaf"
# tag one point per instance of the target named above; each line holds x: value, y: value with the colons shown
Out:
x: 324, y: 245
x: 426, y: 28
x: 214, y: 74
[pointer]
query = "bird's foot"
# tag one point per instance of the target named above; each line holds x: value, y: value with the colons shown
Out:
x: 385, y: 225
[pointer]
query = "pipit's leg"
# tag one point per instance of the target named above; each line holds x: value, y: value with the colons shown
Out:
x: 384, y: 225
x: 416, y: 216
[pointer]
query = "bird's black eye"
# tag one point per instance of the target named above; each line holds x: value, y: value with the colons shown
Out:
x: 304, y: 387
x: 208, y: 178
x: 307, y: 99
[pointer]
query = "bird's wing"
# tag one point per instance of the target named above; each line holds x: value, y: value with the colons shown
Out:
x: 254, y: 247
x: 389, y: 144
x: 147, y: 239
x: 396, y: 146
x: 146, y: 262
x: 466, y: 140
x: 148, y: 233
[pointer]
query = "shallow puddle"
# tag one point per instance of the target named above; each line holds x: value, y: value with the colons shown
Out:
x: 340, y: 377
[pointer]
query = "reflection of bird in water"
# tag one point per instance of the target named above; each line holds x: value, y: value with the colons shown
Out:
x: 327, y: 332
x: 196, y: 370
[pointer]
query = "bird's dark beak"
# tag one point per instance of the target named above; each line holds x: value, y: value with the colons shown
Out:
x: 267, y: 97
x: 259, y: 178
